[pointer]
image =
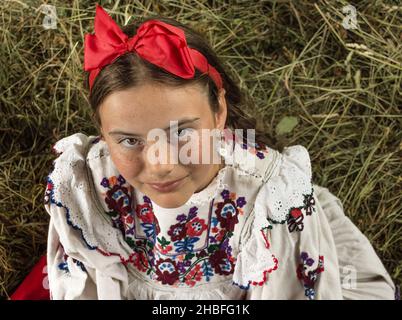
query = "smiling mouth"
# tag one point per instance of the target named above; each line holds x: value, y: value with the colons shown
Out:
x: 166, y: 186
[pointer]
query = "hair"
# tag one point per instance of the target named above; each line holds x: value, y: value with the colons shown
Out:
x: 130, y: 70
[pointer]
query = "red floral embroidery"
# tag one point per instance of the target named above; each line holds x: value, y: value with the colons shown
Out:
x: 227, y: 213
x: 118, y: 200
x: 309, y: 277
x: 196, y: 227
x: 166, y: 271
x: 296, y: 216
x: 296, y: 212
x: 164, y: 250
x: 178, y: 231
x: 140, y: 261
x: 144, y: 212
x: 194, y: 276
x: 221, y: 263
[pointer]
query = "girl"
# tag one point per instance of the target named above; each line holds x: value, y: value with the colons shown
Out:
x: 249, y: 226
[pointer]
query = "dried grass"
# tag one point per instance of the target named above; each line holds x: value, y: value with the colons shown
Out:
x: 293, y: 57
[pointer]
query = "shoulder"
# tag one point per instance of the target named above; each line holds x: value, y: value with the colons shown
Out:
x: 290, y: 188
x: 71, y: 193
x: 293, y: 163
x: 69, y: 161
x: 78, y: 143
x: 296, y: 159
x: 70, y: 155
x: 69, y: 169
x: 67, y: 186
x: 286, y: 185
x: 75, y: 154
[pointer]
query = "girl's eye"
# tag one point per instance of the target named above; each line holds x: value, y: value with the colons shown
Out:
x: 183, y: 133
x: 133, y: 143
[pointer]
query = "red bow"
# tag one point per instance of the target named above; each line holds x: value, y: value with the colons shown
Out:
x: 157, y: 42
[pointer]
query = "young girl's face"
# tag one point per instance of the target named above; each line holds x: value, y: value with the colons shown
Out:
x: 128, y: 116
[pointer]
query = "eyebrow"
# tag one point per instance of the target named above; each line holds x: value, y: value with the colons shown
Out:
x: 132, y: 134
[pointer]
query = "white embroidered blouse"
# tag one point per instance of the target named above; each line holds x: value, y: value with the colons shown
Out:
x: 259, y: 230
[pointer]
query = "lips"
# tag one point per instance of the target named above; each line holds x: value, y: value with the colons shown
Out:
x: 166, y: 186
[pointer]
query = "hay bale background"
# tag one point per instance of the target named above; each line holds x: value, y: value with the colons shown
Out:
x: 294, y: 58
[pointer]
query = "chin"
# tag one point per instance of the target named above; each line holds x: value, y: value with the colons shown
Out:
x: 170, y: 199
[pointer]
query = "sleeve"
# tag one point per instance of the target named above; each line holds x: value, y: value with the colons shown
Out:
x: 362, y: 274
x: 69, y: 278
x: 280, y: 220
x: 73, y: 275
x: 78, y: 268
x: 311, y: 239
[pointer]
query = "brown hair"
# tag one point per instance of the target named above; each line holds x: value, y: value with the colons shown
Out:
x: 129, y: 70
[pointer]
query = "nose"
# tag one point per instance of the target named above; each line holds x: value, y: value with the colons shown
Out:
x: 159, y: 159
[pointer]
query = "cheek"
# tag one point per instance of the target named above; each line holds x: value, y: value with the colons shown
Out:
x: 198, y: 173
x: 128, y: 164
x: 208, y: 150
x: 200, y: 148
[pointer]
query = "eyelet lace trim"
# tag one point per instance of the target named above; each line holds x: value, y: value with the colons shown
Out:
x: 264, y: 276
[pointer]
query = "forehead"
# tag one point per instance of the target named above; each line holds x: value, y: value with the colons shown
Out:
x: 152, y: 106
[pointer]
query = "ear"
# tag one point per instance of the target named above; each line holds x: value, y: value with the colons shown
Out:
x: 221, y: 115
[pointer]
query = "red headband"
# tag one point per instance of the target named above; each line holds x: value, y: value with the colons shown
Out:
x: 157, y: 42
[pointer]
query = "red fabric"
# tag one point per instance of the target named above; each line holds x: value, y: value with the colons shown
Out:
x: 36, y: 285
x: 160, y: 43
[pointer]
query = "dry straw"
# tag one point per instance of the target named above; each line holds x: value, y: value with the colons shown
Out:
x: 294, y: 58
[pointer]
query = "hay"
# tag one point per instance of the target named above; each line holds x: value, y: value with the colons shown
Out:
x: 293, y: 57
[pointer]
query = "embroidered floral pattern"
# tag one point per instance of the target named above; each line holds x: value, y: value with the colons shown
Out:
x: 296, y: 215
x: 196, y: 227
x: 48, y: 193
x: 118, y: 201
x: 257, y: 149
x: 222, y: 262
x: 178, y: 231
x: 309, y: 277
x: 309, y: 203
x: 194, y: 249
x: 295, y: 220
x: 149, y: 222
x: 166, y: 271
